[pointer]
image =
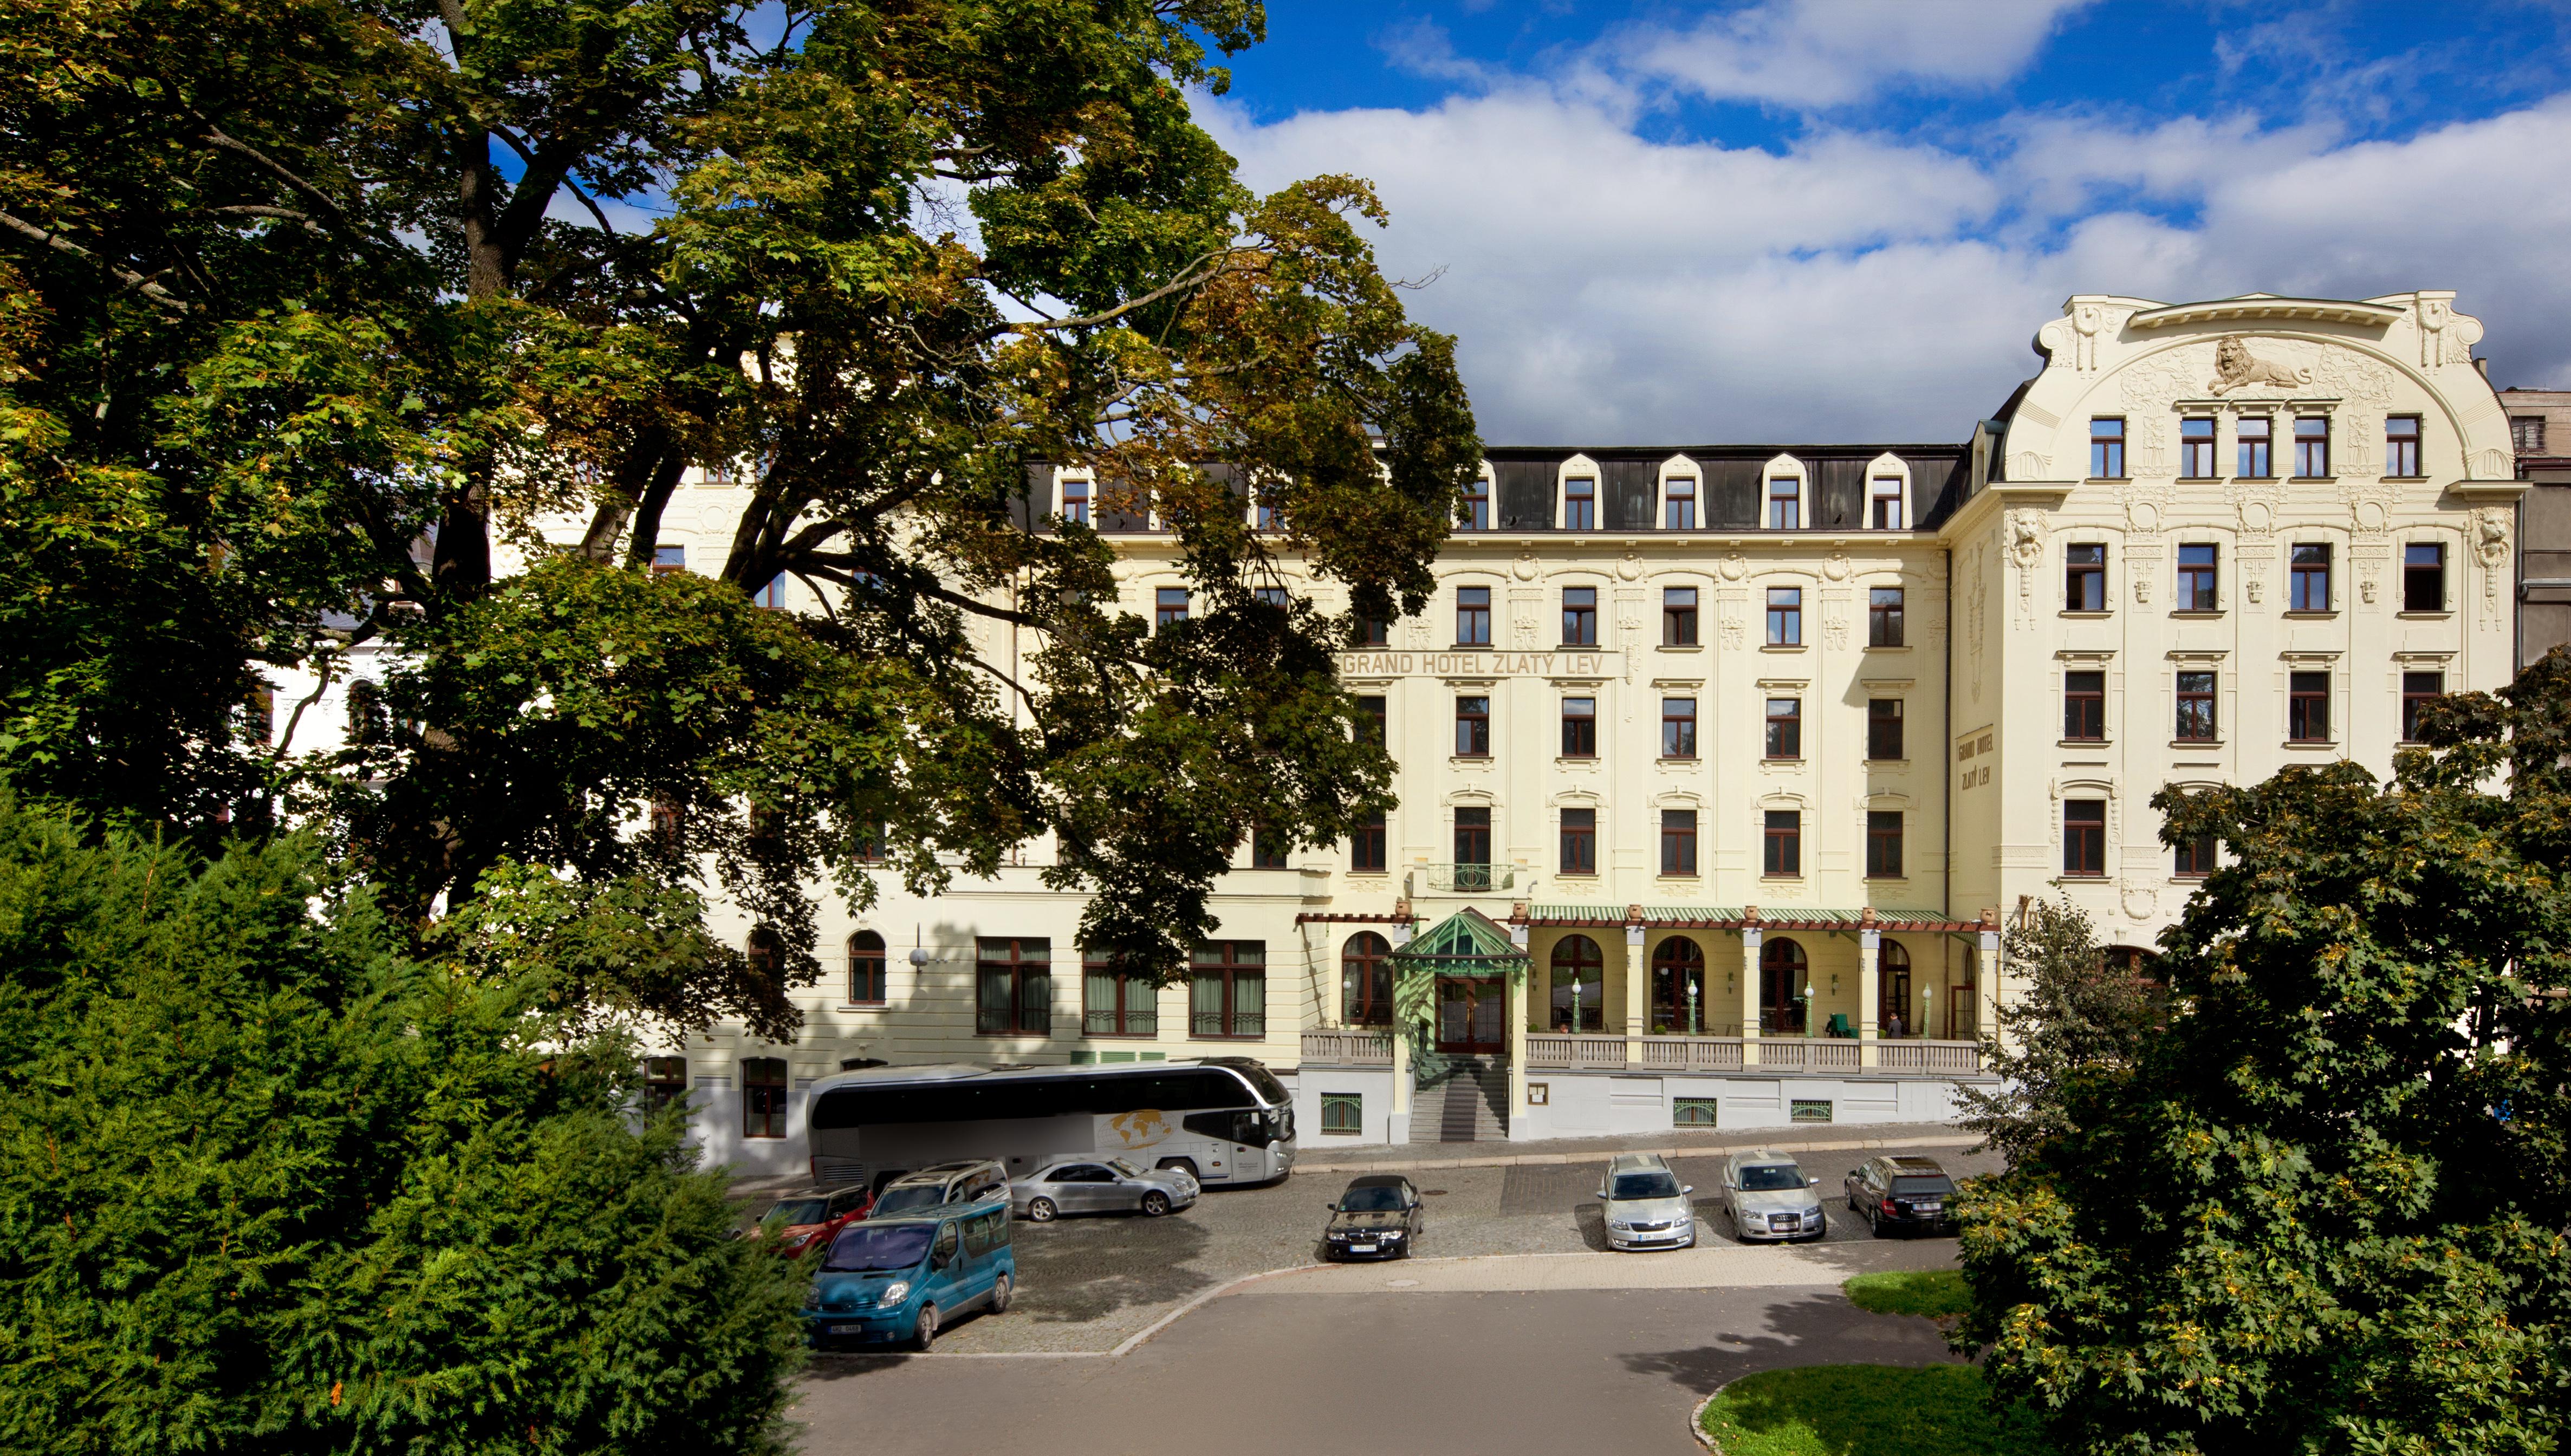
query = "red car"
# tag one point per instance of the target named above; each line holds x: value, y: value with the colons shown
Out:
x: 808, y: 1221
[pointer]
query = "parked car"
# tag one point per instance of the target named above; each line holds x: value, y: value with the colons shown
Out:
x: 1081, y: 1183
x: 1767, y: 1197
x: 942, y: 1183
x: 807, y: 1222
x: 902, y: 1280
x: 1902, y: 1194
x: 1378, y: 1216
x: 1646, y: 1205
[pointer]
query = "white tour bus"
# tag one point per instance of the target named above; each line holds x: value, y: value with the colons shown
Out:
x: 1227, y: 1119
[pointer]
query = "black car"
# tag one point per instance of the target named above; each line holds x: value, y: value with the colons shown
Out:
x: 1377, y: 1218
x: 1910, y: 1195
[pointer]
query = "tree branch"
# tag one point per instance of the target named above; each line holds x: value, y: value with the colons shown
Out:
x: 215, y: 135
x: 125, y: 276
x: 1188, y: 278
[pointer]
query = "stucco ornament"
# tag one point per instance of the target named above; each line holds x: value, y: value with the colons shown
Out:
x: 2490, y: 538
x: 2087, y: 321
x: 1628, y: 566
x: 1837, y: 568
x: 2446, y: 336
x: 2140, y: 902
x: 1735, y: 566
x: 2142, y: 586
x: 1524, y: 567
x: 2235, y: 368
x: 2026, y: 538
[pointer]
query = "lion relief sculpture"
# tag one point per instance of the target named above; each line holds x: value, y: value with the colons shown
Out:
x: 2235, y: 366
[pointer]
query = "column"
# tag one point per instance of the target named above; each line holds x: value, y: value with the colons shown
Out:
x: 1638, y: 985
x: 1750, y: 995
x: 1518, y: 1012
x: 1870, y: 968
x: 1399, y: 1130
x: 1987, y: 975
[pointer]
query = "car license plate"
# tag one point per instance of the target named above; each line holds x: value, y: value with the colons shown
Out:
x: 848, y: 1329
x: 1361, y: 1249
x: 1928, y: 1208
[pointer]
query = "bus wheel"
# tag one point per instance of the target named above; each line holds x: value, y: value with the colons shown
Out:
x: 1040, y: 1210
x: 1155, y: 1204
x: 1189, y: 1163
x: 1001, y: 1288
x: 927, y: 1334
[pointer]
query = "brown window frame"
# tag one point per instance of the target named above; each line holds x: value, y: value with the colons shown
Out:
x: 2200, y: 582
x: 2401, y: 447
x: 2195, y: 452
x: 1477, y: 506
x: 1375, y: 631
x: 1374, y: 716
x: 1886, y: 613
x: 1781, y: 844
x: 2253, y: 442
x: 1677, y: 842
x: 1883, y: 734
x: 1580, y: 503
x: 1266, y: 849
x: 1578, y: 842
x: 1678, y: 728
x: 1678, y: 504
x: 1121, y: 1018
x: 1785, y: 508
x: 1232, y: 1019
x: 1075, y: 502
x: 764, y: 1098
x: 2084, y: 706
x: 1883, y: 844
x: 1365, y: 980
x: 1678, y: 619
x: 2208, y: 697
x: 1877, y: 518
x: 2084, y: 839
x: 868, y: 987
x: 2303, y: 576
x: 2308, y: 704
x: 2431, y: 575
x: 1580, y: 616
x: 1472, y: 617
x: 2084, y: 578
x: 1472, y: 818
x: 665, y: 1081
x: 1785, y: 617
x: 1784, y: 737
x: 1587, y: 965
x: 1368, y: 852
x: 1029, y: 1010
x: 2107, y: 447
x: 2193, y: 857
x: 2312, y: 451
x: 1580, y: 728
x: 1473, y: 728
x: 2414, y: 695
x: 1165, y: 612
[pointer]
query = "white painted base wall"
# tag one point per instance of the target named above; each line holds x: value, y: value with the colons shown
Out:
x: 1612, y: 1104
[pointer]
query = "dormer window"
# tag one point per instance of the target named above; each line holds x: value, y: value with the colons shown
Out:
x: 1579, y: 504
x: 1075, y: 502
x: 1884, y: 503
x: 1679, y: 504
x: 1477, y: 505
x: 1784, y: 503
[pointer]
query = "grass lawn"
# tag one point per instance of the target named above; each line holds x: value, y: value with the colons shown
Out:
x: 1935, y: 1294
x: 1865, y: 1410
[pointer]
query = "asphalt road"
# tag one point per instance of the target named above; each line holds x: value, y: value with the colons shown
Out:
x: 1395, y: 1370
x: 1088, y: 1283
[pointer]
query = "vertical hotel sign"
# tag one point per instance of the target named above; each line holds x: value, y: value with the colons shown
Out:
x: 1467, y: 662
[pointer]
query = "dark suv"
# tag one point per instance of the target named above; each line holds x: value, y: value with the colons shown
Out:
x: 1912, y: 1194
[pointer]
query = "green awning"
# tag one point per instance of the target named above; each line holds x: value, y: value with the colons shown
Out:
x: 1467, y: 941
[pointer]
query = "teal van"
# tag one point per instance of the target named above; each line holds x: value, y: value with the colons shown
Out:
x: 901, y: 1280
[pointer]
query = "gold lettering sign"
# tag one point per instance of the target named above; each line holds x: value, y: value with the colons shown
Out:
x: 1477, y: 665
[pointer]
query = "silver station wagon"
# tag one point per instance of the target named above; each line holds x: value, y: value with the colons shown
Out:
x: 1767, y: 1197
x: 1646, y: 1206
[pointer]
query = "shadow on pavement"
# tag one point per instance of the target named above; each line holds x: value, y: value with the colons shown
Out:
x: 1795, y: 1330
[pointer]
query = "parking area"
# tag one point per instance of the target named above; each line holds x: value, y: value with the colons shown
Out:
x: 1088, y: 1283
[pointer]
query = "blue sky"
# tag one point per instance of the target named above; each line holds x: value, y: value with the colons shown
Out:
x: 1839, y: 220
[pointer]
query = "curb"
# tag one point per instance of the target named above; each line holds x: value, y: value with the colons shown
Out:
x: 1529, y: 1160
x: 1696, y: 1419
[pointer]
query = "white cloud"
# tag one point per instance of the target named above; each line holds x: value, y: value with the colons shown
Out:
x: 1804, y: 54
x: 1857, y: 287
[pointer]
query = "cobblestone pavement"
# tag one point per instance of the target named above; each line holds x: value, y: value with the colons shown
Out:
x: 1087, y: 1283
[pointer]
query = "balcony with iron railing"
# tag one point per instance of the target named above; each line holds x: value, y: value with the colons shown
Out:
x: 1605, y: 1052
x: 1469, y: 879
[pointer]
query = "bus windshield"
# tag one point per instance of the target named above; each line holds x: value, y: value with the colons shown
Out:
x: 879, y: 1246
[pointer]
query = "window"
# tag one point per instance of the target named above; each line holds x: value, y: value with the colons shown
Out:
x: 1784, y: 842
x: 1365, y: 981
x: 2249, y: 437
x: 1266, y: 849
x: 1367, y: 850
x: 1375, y: 631
x: 1227, y: 988
x: 2196, y: 708
x: 1678, y: 987
x: 1883, y: 624
x: 1678, y: 841
x: 1678, y: 617
x: 667, y: 558
x: 1472, y: 617
x: 1277, y: 597
x: 2311, y: 446
x: 2308, y: 586
x: 1169, y: 608
x: 1691, y: 1112
x: 1579, y: 504
x: 1472, y: 727
x: 866, y: 969
x: 1807, y: 1109
x: 1892, y: 990
x: 2196, y: 448
x: 771, y: 596
x: 669, y: 827
x: 1579, y: 842
x: 1477, y: 505
x: 2107, y: 449
x: 1472, y: 846
x: 1113, y: 1004
x: 2526, y: 433
x: 763, y: 1097
x: 1013, y: 986
x: 1678, y: 728
x: 765, y: 946
x: 1883, y: 843
x: 2198, y: 578
x: 1580, y: 728
x: 2423, y: 576
x: 665, y: 1081
x: 2416, y: 689
x: 1785, y: 615
x: 1783, y: 974
x: 2084, y: 578
x: 1075, y: 501
x: 2195, y: 859
x: 1784, y: 503
x: 2308, y: 708
x: 1579, y: 985
x: 1678, y: 504
x: 2401, y: 446
x: 1883, y: 729
x: 1884, y: 503
x: 1343, y: 1114
x: 1271, y: 516
x: 1371, y: 718
x: 1580, y: 616
x: 872, y: 838
x: 1784, y: 728
x: 2084, y: 837
x: 2084, y: 706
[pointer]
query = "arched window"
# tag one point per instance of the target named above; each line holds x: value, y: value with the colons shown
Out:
x: 1579, y: 984
x: 2134, y: 961
x: 1365, y: 981
x: 1782, y: 975
x: 1896, y: 1014
x: 1678, y: 1004
x: 866, y: 969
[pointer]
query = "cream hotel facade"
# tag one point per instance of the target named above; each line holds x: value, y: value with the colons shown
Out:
x: 1751, y: 749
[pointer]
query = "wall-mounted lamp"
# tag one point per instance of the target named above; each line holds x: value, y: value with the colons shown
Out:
x: 919, y: 956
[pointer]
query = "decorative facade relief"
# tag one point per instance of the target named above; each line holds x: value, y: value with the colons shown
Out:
x: 2446, y: 336
x: 1734, y: 565
x: 2235, y: 368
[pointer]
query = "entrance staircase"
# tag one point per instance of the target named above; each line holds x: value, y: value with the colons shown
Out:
x: 1469, y: 1107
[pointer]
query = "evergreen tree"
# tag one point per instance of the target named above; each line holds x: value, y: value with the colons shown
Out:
x: 268, y: 1186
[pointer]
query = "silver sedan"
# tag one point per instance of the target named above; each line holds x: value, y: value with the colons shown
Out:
x: 1078, y: 1184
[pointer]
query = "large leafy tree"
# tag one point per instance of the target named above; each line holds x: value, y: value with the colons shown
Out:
x: 2071, y: 1017
x: 268, y: 1183
x: 340, y: 322
x: 2323, y: 1209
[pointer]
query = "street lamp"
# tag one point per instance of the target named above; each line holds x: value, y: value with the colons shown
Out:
x: 1922, y: 1033
x: 1807, y: 1012
x: 1693, y: 1029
